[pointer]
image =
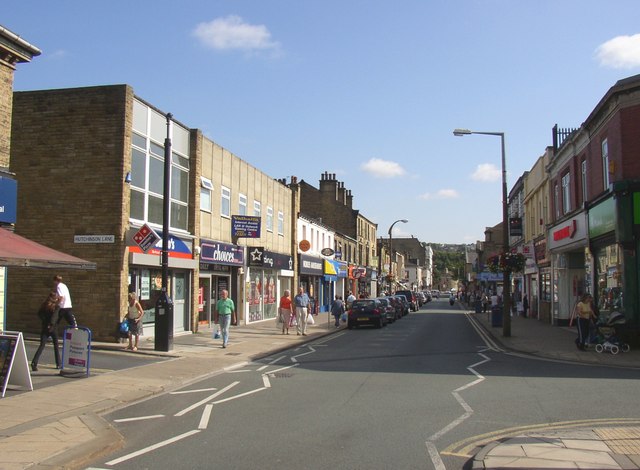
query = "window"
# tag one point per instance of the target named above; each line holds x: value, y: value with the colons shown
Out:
x: 280, y: 223
x: 269, y: 219
x: 605, y: 164
x: 257, y: 210
x: 242, y: 204
x: 147, y: 169
x: 225, y: 202
x: 566, y: 193
x: 206, y: 188
x: 584, y: 180
x: 556, y: 201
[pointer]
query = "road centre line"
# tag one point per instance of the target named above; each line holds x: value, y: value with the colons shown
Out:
x: 206, y: 415
x: 139, y: 418
x: 193, y: 391
x: 209, y: 398
x: 153, y: 447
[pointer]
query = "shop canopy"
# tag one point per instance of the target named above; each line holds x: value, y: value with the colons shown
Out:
x: 19, y: 251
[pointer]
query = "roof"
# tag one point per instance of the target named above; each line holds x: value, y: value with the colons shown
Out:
x: 19, y: 251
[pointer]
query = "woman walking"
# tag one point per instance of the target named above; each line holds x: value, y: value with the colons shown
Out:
x: 134, y: 319
x: 48, y: 314
x: 285, y: 311
x: 584, y: 314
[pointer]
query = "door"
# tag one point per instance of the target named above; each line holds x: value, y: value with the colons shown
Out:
x: 180, y: 302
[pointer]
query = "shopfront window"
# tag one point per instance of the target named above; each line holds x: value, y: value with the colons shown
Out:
x: 545, y: 286
x: 610, y: 295
x: 261, y: 295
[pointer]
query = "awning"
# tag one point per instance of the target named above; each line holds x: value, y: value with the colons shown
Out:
x: 19, y: 251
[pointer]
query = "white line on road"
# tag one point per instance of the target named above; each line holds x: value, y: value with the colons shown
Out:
x: 204, y: 419
x: 271, y: 363
x: 265, y: 381
x: 250, y: 392
x: 295, y: 358
x: 151, y: 448
x: 209, y: 398
x: 193, y: 391
x: 139, y: 418
x: 283, y: 368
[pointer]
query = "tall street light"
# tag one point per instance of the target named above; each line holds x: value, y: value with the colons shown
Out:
x: 404, y: 221
x: 506, y: 280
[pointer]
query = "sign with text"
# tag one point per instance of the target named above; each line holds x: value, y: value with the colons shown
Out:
x: 76, y: 350
x: 8, y: 199
x: 245, y: 226
x: 146, y: 238
x: 14, y: 367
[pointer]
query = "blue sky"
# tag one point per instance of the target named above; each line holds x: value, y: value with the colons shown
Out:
x: 369, y: 90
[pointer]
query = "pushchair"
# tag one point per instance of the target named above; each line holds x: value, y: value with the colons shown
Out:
x: 605, y: 336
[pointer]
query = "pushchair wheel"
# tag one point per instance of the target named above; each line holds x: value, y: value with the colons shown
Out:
x: 614, y: 349
x: 626, y: 347
x: 599, y: 348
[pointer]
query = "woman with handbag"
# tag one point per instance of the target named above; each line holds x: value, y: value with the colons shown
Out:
x: 48, y: 314
x: 134, y: 319
x: 285, y: 311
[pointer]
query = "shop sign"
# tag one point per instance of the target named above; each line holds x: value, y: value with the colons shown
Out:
x: 358, y: 273
x: 221, y: 253
x: 515, y: 226
x: 256, y: 254
x: 8, y: 200
x: 636, y: 208
x: 327, y: 252
x: 145, y: 238
x: 602, y: 218
x: 245, y: 226
x: 175, y: 246
x: 569, y: 232
x: 310, y: 265
x: 566, y: 232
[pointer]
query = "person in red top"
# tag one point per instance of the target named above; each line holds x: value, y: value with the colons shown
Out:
x: 285, y: 310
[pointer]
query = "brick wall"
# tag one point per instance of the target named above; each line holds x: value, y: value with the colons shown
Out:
x: 6, y: 99
x: 70, y: 153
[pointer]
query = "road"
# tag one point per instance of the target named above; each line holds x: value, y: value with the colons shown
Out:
x: 422, y: 393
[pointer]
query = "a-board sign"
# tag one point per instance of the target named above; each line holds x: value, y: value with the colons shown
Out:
x: 14, y: 367
x: 76, y: 350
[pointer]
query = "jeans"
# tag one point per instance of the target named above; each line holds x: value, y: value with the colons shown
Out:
x: 67, y: 314
x: 225, y: 321
x: 44, y: 335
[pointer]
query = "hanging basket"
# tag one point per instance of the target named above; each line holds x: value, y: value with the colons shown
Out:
x: 506, y: 262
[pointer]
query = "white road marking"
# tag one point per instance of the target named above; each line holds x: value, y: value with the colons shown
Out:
x: 193, y: 391
x: 271, y: 363
x: 139, y: 418
x: 235, y: 366
x: 124, y: 458
x: 250, y: 392
x: 238, y: 371
x: 209, y: 398
x: 265, y: 381
x: 206, y: 415
x: 295, y: 358
x: 271, y: 373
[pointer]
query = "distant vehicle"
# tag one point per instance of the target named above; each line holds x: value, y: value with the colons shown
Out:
x: 367, y: 312
x: 427, y: 294
x: 406, y: 305
x: 388, y: 308
x: 435, y: 294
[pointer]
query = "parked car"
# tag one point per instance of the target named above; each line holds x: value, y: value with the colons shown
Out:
x: 422, y: 299
x: 435, y: 294
x: 388, y: 308
x: 398, y: 304
x: 427, y: 294
x: 406, y: 305
x: 367, y: 312
x: 411, y: 298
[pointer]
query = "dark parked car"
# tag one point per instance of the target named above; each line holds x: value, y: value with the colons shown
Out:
x: 411, y: 298
x: 388, y: 308
x: 367, y: 312
x: 398, y: 304
x: 406, y: 306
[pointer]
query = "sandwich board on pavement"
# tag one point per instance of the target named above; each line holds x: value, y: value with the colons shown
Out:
x: 14, y: 366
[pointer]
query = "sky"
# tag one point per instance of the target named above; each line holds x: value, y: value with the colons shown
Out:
x: 368, y: 90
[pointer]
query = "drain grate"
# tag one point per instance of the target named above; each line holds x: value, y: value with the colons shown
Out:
x: 282, y: 375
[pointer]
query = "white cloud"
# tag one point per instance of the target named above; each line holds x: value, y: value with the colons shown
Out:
x: 232, y: 32
x: 57, y: 54
x: 621, y: 52
x: 382, y: 168
x: 441, y: 194
x: 487, y: 172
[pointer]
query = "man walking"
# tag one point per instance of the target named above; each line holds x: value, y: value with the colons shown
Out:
x: 64, y: 302
x: 225, y: 314
x: 301, y: 302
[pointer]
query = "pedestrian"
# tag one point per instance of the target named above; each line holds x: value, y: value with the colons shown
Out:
x: 64, y: 302
x: 285, y: 311
x: 584, y: 314
x: 301, y: 302
x: 134, y: 319
x: 350, y: 299
x: 225, y: 314
x: 337, y: 309
x: 47, y: 314
x: 485, y: 302
x: 525, y: 305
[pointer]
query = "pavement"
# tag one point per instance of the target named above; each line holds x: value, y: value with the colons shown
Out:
x: 60, y: 426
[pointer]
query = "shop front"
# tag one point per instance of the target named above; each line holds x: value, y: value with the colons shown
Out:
x: 311, y: 272
x: 335, y: 274
x: 269, y: 274
x: 220, y: 265
x: 567, y: 247
x: 145, y: 279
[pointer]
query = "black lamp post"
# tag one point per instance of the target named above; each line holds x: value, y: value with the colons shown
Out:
x: 404, y: 221
x: 506, y: 280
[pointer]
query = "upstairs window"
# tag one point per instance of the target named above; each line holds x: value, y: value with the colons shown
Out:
x: 206, y: 190
x: 605, y: 164
x: 225, y: 202
x: 566, y: 193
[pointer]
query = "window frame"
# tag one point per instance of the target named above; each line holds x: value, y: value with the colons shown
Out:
x: 269, y: 219
x: 566, y: 192
x: 604, y: 148
x: 225, y: 202
x: 206, y: 187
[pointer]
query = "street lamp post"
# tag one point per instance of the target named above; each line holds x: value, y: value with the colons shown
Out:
x: 404, y: 221
x: 506, y: 280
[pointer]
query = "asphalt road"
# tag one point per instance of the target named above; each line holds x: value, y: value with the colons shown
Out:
x: 422, y: 393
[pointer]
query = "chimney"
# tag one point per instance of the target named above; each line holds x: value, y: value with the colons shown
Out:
x: 349, y: 199
x: 329, y: 186
x: 342, y: 198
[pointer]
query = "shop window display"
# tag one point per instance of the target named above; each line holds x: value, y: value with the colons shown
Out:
x: 609, y: 280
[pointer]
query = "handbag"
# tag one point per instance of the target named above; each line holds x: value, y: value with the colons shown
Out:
x: 124, y: 326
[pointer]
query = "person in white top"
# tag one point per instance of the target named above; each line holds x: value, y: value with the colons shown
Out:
x: 64, y: 303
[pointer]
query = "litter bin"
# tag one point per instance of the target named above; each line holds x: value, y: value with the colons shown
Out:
x: 496, y: 316
x: 478, y: 306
